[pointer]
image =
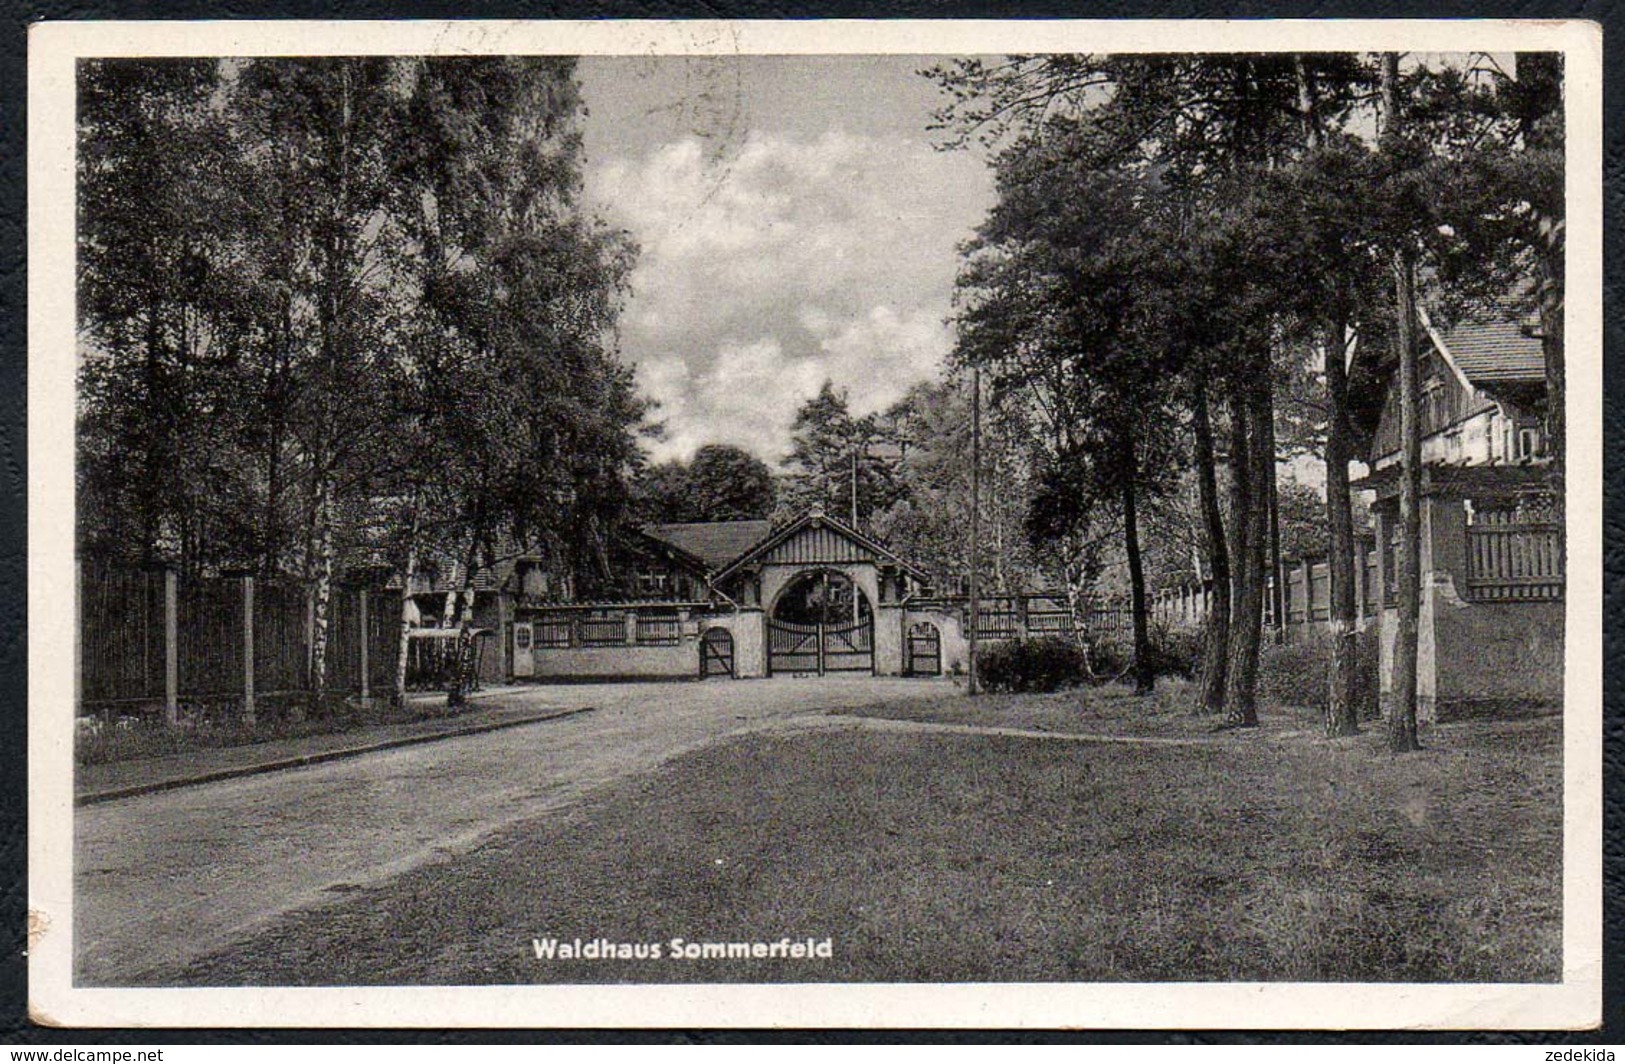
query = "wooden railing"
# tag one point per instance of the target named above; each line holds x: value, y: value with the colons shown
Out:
x: 659, y: 631
x: 607, y: 632
x: 606, y: 626
x: 553, y: 635
x: 1514, y: 563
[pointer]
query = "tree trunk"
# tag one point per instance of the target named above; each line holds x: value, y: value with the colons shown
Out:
x: 973, y: 680
x: 403, y: 645
x: 270, y: 542
x: 1307, y: 103
x: 1145, y: 675
x: 1216, y: 635
x: 276, y: 410
x: 1250, y: 460
x: 457, y: 684
x: 1402, y: 719
x: 323, y: 589
x: 1075, y: 570
x: 448, y: 606
x: 1549, y: 272
x: 1402, y: 714
x: 1276, y: 584
x: 1342, y: 715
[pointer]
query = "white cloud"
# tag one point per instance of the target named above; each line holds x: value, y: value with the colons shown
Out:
x: 789, y: 261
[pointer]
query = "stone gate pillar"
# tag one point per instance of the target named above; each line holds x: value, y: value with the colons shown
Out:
x: 889, y: 640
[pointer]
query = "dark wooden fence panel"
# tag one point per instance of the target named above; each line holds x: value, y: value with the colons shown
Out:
x: 121, y: 633
x: 659, y: 631
x: 383, y: 640
x: 122, y: 637
x: 210, y: 637
x: 602, y: 632
x: 281, y: 614
x: 344, y: 642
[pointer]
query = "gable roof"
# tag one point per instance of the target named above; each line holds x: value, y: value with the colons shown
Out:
x: 816, y: 518
x: 1495, y: 349
x: 1499, y: 348
x: 441, y: 572
x: 715, y: 543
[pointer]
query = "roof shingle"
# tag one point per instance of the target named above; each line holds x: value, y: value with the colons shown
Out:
x: 716, y: 543
x: 1497, y: 349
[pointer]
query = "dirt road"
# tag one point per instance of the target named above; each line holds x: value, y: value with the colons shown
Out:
x: 167, y: 877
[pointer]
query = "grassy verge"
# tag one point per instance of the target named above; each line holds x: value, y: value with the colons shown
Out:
x: 1110, y: 709
x: 205, y: 727
x: 931, y: 857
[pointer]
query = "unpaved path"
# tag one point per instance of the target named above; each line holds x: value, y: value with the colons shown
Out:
x: 888, y: 724
x: 163, y: 878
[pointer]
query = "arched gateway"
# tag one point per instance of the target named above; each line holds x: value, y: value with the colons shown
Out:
x: 740, y: 600
x: 831, y: 598
x: 821, y: 623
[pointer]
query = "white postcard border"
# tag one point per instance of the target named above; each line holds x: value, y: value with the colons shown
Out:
x: 53, y: 50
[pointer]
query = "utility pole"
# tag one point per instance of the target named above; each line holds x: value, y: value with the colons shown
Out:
x: 854, y: 489
x: 975, y: 516
x: 855, y: 617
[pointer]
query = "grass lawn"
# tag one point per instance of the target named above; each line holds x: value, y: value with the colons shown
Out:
x: 1111, y: 709
x: 947, y: 857
x: 205, y: 727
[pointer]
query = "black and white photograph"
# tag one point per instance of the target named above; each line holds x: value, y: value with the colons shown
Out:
x: 816, y: 524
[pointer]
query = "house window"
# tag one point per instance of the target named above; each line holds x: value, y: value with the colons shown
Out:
x: 1531, y: 443
x: 1435, y: 402
x: 652, y: 583
x: 1393, y: 554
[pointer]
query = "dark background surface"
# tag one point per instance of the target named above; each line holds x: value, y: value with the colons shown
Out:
x: 18, y: 14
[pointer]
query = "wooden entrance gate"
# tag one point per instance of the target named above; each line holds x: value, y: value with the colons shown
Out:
x: 924, y: 649
x: 820, y: 648
x: 717, y: 653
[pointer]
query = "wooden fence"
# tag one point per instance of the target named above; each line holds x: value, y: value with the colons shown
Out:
x: 153, y: 639
x: 1506, y: 562
x: 640, y: 624
x: 1005, y: 616
x: 1514, y: 562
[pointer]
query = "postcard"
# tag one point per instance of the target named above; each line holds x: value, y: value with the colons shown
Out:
x: 807, y: 524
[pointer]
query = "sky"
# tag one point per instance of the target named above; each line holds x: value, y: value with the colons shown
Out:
x: 795, y: 224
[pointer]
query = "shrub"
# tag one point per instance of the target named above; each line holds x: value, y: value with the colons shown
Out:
x: 1367, y: 682
x: 1295, y: 674
x: 1044, y: 664
x: 1176, y: 652
x: 1110, y: 659
x: 1300, y: 674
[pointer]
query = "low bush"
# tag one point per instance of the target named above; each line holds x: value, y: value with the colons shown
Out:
x: 1110, y: 659
x: 1299, y: 673
x: 1176, y: 652
x: 1295, y: 674
x: 1367, y: 681
x: 1044, y: 664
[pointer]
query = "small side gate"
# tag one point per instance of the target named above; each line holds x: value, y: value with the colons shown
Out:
x: 820, y: 648
x: 717, y: 653
x: 924, y: 648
